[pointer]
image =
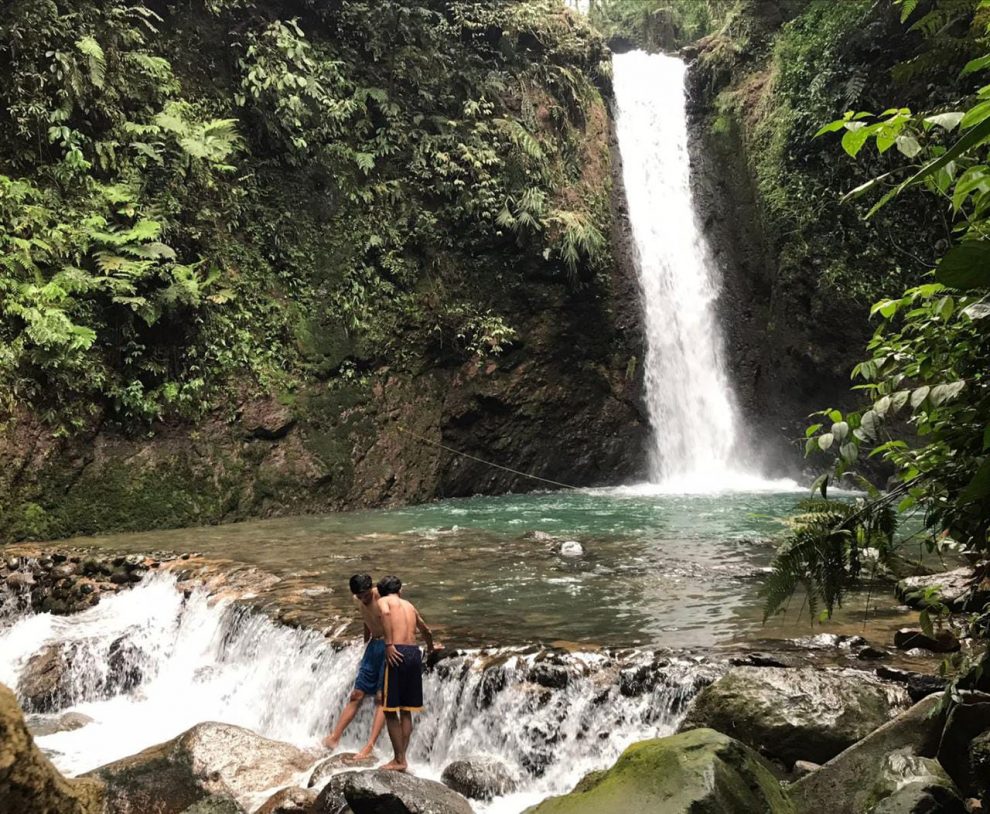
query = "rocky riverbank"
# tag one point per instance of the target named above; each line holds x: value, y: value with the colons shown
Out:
x: 778, y: 732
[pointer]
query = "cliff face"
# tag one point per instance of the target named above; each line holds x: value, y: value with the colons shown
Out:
x: 411, y: 247
x: 801, y: 269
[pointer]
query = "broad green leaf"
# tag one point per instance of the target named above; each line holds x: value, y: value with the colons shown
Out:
x: 978, y: 64
x: 966, y: 266
x: 856, y: 135
x: 812, y: 430
x: 947, y: 121
x: 849, y: 452
x: 825, y: 441
x: 870, y: 424
x: 840, y: 430
x: 908, y: 145
x: 979, y: 487
x: 919, y: 395
x: 882, y: 406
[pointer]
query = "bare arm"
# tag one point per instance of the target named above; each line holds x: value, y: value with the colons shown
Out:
x: 427, y: 634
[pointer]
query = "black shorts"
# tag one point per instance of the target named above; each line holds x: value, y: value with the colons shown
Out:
x: 404, y: 682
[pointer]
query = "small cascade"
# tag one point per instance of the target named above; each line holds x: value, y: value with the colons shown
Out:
x: 696, y: 431
x: 149, y: 663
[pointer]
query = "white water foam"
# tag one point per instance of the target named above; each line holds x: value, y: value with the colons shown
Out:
x: 696, y: 442
x: 193, y: 659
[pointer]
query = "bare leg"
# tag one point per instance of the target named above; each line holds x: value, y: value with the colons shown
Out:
x: 346, y: 716
x: 407, y: 727
x: 395, y: 735
x: 376, y: 730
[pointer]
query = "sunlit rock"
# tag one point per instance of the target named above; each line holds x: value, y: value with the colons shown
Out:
x: 29, y: 784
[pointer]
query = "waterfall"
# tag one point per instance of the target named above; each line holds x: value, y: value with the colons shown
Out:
x: 696, y: 431
x: 149, y: 663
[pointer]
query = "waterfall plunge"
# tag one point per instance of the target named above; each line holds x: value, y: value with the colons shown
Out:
x: 695, y: 440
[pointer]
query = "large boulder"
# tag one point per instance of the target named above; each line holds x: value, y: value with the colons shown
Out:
x: 696, y: 772
x: 384, y: 792
x: 966, y: 722
x: 29, y: 784
x: 845, y: 784
x: 479, y: 778
x: 795, y: 714
x: 210, y: 759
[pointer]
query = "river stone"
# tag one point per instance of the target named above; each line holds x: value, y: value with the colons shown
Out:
x: 844, y: 784
x: 479, y: 778
x: 292, y: 800
x: 909, y: 784
x: 952, y: 590
x: 383, y: 792
x: 209, y: 759
x: 943, y: 641
x: 29, y: 784
x: 43, y: 683
x: 337, y: 764
x: 20, y: 579
x: 802, y: 714
x: 215, y: 804
x: 696, y: 772
x: 966, y: 721
x: 39, y: 725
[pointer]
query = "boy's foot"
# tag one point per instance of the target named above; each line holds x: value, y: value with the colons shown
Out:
x: 394, y: 766
x: 364, y: 754
x: 330, y: 742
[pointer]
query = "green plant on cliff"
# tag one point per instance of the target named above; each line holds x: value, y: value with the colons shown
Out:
x: 236, y: 196
x: 927, y: 374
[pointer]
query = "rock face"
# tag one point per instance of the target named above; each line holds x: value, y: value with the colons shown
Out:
x: 845, y: 785
x: 381, y: 792
x: 943, y: 641
x: 696, y: 772
x: 794, y: 714
x: 966, y: 722
x: 210, y: 759
x: 479, y: 778
x: 29, y: 784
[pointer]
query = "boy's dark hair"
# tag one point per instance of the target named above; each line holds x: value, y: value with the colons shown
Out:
x: 360, y: 583
x: 389, y: 585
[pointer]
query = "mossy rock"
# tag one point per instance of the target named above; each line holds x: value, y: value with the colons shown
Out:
x: 696, y: 772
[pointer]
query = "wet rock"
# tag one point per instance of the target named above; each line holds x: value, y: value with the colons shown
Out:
x: 944, y: 641
x: 292, y: 800
x: 919, y: 685
x: 43, y: 683
x: 979, y: 763
x: 844, y: 784
x: 124, y: 671
x: 696, y: 772
x: 635, y: 681
x: 39, y: 726
x: 211, y: 759
x: 29, y: 784
x: 909, y: 784
x: 382, y: 792
x: 479, y: 778
x: 571, y: 548
x: 951, y: 588
x: 794, y: 714
x: 870, y: 653
x: 493, y: 681
x: 20, y: 580
x: 63, y: 571
x: 336, y: 764
x: 762, y: 660
x: 549, y: 675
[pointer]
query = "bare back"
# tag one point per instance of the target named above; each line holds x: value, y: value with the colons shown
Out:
x: 402, y: 616
x: 372, y: 615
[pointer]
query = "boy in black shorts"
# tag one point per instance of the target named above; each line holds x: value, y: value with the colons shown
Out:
x: 403, y: 691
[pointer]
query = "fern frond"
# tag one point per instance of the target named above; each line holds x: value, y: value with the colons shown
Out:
x: 92, y: 50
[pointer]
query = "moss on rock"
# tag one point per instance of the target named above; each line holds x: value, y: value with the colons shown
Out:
x: 696, y: 772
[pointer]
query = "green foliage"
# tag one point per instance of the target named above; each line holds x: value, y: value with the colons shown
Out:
x: 927, y: 373
x: 178, y: 191
x: 659, y: 24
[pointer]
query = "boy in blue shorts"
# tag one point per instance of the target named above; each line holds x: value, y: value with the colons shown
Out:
x: 371, y: 671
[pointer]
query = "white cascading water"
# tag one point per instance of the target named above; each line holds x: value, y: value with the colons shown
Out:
x: 695, y: 440
x: 188, y: 660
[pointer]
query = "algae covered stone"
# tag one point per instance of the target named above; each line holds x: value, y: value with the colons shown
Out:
x: 696, y: 772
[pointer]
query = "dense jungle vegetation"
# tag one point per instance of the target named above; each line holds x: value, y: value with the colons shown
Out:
x: 217, y: 196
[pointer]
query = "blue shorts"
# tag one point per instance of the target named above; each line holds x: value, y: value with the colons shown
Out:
x: 371, y: 672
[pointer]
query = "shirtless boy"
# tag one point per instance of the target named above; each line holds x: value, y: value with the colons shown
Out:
x: 370, y: 672
x: 403, y: 692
